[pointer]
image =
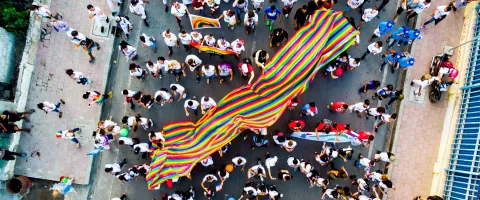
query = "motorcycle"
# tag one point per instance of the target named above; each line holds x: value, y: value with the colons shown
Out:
x: 438, y: 87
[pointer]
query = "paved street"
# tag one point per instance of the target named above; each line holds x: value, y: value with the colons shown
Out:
x: 322, y: 91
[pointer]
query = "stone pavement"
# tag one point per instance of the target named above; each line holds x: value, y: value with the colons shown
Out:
x: 420, y: 125
x: 49, y: 157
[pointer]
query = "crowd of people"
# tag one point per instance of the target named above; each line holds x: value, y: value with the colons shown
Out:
x: 369, y: 185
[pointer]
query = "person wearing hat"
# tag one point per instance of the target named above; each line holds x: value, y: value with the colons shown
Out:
x: 411, y: 36
x: 246, y: 69
x: 383, y: 29
x: 404, y: 62
x: 391, y: 58
x: 124, y: 24
x: 386, y: 118
x: 397, y: 36
x: 438, y: 15
x: 137, y: 9
x: 385, y: 157
x: 414, y: 11
x: 395, y: 95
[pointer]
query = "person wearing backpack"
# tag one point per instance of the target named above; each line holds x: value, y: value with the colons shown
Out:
x: 404, y: 62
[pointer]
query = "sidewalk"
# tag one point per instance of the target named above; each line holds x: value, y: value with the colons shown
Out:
x: 420, y: 124
x: 48, y: 157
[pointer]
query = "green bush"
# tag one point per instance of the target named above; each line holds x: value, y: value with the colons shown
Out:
x: 12, y: 20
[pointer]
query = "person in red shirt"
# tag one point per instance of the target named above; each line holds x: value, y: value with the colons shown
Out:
x: 365, y: 135
x: 322, y: 127
x: 338, y: 106
x: 246, y: 69
x: 296, y: 125
x: 340, y: 129
x: 293, y: 102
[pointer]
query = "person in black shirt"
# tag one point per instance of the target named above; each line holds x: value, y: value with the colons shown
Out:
x: 312, y: 7
x: 300, y: 17
x: 87, y: 44
x: 277, y: 36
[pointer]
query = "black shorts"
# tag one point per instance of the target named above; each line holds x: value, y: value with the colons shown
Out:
x: 400, y: 10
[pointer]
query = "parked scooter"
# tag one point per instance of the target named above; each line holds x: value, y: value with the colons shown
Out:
x: 439, y: 67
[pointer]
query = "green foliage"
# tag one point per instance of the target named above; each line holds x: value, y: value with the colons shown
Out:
x: 12, y: 20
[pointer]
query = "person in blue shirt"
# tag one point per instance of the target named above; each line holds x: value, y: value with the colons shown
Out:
x: 382, y: 30
x: 411, y: 36
x: 398, y: 35
x: 404, y: 62
x: 272, y: 13
x: 391, y: 58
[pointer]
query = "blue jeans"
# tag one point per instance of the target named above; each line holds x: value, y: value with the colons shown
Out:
x: 429, y: 21
x: 57, y: 106
x: 238, y: 11
x: 83, y: 81
x: 75, y: 140
x: 393, y: 43
x: 154, y: 44
x: 170, y: 48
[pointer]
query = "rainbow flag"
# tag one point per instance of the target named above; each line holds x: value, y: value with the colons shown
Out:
x: 212, y: 49
x: 259, y: 105
x: 199, y: 22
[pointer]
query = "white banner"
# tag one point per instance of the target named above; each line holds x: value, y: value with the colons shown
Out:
x: 323, y: 137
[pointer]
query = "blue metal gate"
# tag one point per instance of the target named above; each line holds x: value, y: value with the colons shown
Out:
x: 463, y: 180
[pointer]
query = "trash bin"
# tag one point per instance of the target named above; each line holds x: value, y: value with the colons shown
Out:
x: 19, y: 184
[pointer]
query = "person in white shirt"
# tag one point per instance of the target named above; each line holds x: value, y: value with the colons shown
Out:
x: 289, y: 145
x: 124, y: 177
x: 386, y: 118
x: 50, y: 107
x: 250, y: 22
x: 98, y: 15
x: 130, y: 96
x: 128, y: 141
x: 191, y: 104
x: 136, y: 71
x: 137, y: 9
x: 368, y: 15
x: 206, y: 103
x: 178, y: 90
x: 364, y: 162
x: 238, y: 47
x: 269, y: 163
x: 112, y: 6
x: 385, y: 157
x: 123, y: 197
x: 148, y: 42
x: 239, y: 161
x: 66, y: 134
x: 209, y: 40
x: 287, y: 6
x: 154, y: 70
x: 293, y: 163
x: 359, y: 108
x: 229, y: 18
x: 115, y: 168
x: 222, y: 44
x: 422, y: 83
x: 78, y: 77
x: 185, y: 39
x: 157, y: 138
x: 179, y: 10
x: 197, y: 37
x: 374, y: 48
x: 142, y: 148
x: 162, y: 64
x: 124, y: 24
x: 257, y: 5
x: 163, y: 96
x: 419, y: 7
x: 438, y: 15
x: 170, y: 40
x: 207, y: 161
x: 329, y: 70
x: 353, y: 4
x: 42, y: 11
x: 208, y: 71
x: 128, y: 51
x: 256, y: 171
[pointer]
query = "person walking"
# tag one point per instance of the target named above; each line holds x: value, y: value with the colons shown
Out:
x: 198, y: 5
x: 296, y: 125
x: 69, y: 134
x: 278, y: 36
x: 7, y: 123
x: 124, y: 24
x: 374, y: 48
x: 413, y: 12
x: 360, y: 108
x: 257, y: 5
x: 353, y: 4
x: 61, y: 26
x: 176, y: 68
x: 225, y: 71
x: 269, y: 163
x: 309, y: 109
x: 368, y: 15
x: 272, y: 13
x: 238, y: 47
x: 148, y: 42
x: 383, y: 29
x: 398, y: 36
x: 402, y: 6
x: 170, y: 40
x: 229, y: 18
x: 438, y: 15
x: 146, y: 101
x: 193, y: 62
x: 246, y: 69
x: 385, y: 157
x: 208, y: 71
x: 300, y: 17
x: 191, y: 104
x: 111, y: 5
x: 129, y: 52
x: 209, y: 40
x: 397, y: 95
x: 87, y: 44
x: 50, y: 107
x: 364, y: 162
x: 383, y: 93
x: 390, y: 58
x: 136, y: 71
x: 386, y: 118
x: 96, y: 97
x: 287, y: 6
x: 405, y: 61
x: 223, y: 45
x: 97, y: 14
x: 337, y: 106
x: 178, y: 11
x: 154, y: 69
x: 10, y: 155
x: 11, y: 116
x: 163, y: 96
x: 375, y: 112
x: 130, y: 96
x: 206, y: 103
x: 260, y: 57
x: 239, y: 161
x: 250, y: 21
x: 421, y: 84
x: 369, y: 85
x: 185, y: 39
x: 179, y: 91
x: 78, y: 77
x: 137, y: 9
x: 241, y: 6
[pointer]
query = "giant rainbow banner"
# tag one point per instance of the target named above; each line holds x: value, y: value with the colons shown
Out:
x: 257, y: 105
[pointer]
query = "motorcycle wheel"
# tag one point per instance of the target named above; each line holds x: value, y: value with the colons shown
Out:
x: 433, y: 97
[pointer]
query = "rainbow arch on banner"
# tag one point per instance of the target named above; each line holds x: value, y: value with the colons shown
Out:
x: 258, y: 105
